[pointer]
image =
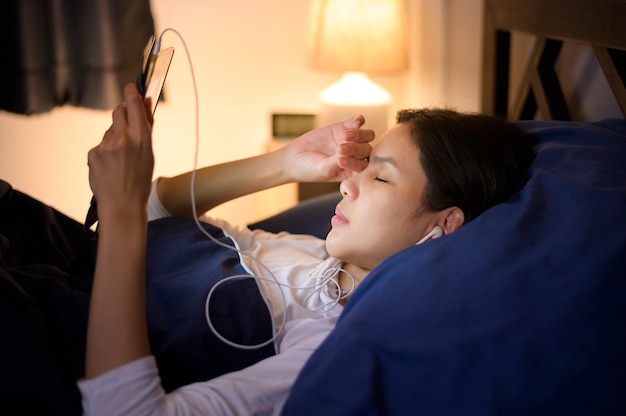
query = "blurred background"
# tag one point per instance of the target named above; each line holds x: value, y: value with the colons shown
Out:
x: 250, y: 60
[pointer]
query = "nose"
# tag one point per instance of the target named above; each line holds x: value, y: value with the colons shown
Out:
x: 348, y: 187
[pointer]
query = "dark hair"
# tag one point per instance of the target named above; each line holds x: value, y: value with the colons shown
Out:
x: 471, y: 161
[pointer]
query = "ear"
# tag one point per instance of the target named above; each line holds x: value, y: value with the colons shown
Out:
x: 453, y: 220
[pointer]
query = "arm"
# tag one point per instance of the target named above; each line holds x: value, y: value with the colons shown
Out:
x: 326, y: 154
x: 120, y: 171
x: 258, y: 389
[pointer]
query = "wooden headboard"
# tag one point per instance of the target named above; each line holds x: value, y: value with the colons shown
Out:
x: 600, y: 24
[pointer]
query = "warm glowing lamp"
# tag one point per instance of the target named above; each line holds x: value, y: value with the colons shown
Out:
x: 357, y: 38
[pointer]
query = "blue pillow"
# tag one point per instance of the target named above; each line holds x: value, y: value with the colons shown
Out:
x: 521, y: 311
x: 311, y: 216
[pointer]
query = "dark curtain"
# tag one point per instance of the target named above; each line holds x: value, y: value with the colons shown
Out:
x: 76, y: 52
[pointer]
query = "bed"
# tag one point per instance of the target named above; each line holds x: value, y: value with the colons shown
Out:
x: 521, y: 311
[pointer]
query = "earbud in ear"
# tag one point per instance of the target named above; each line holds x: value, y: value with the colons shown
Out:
x: 436, y: 232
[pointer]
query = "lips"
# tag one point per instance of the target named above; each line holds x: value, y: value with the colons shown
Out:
x: 338, y: 218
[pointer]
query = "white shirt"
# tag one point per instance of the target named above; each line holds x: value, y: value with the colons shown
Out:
x: 299, y: 261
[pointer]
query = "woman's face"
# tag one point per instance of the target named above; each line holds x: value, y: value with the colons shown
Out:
x: 381, y: 211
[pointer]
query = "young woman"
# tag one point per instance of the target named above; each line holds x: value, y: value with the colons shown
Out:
x: 427, y: 176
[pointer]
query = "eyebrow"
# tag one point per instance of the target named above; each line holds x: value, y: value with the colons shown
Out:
x: 384, y: 160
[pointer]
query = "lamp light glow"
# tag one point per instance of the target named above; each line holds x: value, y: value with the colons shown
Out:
x: 357, y: 38
x: 355, y: 88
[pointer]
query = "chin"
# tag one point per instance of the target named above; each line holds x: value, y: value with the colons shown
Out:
x: 333, y: 245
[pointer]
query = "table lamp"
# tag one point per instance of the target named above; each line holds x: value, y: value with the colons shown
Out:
x: 357, y: 38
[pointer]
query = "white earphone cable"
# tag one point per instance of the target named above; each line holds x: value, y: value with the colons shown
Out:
x: 315, y: 287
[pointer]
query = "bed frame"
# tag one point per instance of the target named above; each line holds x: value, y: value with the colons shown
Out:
x: 600, y: 24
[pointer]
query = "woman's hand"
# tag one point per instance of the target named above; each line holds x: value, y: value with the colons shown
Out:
x: 120, y: 172
x: 331, y: 153
x: 121, y: 166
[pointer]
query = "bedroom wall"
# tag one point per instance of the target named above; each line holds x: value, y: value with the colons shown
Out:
x: 249, y: 59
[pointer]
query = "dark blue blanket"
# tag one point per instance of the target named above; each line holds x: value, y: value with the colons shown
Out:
x: 46, y: 268
x: 182, y: 267
x: 520, y: 312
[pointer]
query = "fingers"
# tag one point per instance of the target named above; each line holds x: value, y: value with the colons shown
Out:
x: 353, y: 131
x: 136, y: 107
x: 129, y: 127
x: 121, y: 166
x: 356, y: 142
x: 147, y: 103
x: 353, y: 156
x: 351, y: 164
x: 358, y: 135
x: 130, y: 120
x: 355, y: 150
x: 355, y: 122
x: 119, y: 118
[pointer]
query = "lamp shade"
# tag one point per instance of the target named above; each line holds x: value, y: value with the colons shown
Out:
x: 358, y: 35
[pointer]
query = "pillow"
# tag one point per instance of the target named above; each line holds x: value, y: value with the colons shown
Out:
x: 311, y: 216
x: 521, y: 311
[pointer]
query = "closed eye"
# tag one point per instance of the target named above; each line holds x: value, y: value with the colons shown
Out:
x: 379, y: 179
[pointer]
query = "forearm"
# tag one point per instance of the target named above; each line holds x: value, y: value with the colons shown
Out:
x: 117, y: 332
x: 327, y: 154
x: 217, y: 184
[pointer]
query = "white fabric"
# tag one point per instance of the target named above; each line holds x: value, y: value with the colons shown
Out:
x: 296, y: 260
